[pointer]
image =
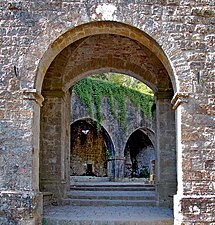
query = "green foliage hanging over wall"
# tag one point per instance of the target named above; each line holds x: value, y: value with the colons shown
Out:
x: 90, y: 91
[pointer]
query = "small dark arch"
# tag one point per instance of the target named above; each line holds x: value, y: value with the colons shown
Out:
x: 91, y: 149
x: 139, y: 154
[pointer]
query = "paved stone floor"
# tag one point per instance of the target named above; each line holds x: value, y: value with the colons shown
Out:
x: 86, y: 215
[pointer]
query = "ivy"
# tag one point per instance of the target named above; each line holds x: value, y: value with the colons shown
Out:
x: 90, y: 91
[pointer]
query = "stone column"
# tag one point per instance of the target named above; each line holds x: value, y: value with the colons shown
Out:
x: 166, y: 150
x: 36, y: 100
x: 111, y: 168
x: 152, y: 172
x: 119, y: 163
x: 20, y: 199
x: 177, y: 101
x: 195, y: 195
x: 54, y: 145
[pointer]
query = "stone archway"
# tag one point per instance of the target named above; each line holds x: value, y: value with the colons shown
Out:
x: 103, y: 46
x: 34, y: 33
x: 139, y: 154
x: 82, y: 32
x: 90, y: 150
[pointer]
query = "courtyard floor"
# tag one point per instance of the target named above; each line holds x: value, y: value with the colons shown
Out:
x: 113, y: 215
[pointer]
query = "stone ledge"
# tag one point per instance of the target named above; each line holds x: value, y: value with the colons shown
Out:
x: 180, y: 98
x: 33, y: 95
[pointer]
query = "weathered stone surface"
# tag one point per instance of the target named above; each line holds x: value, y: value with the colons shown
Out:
x: 135, y: 121
x: 19, y: 206
x: 180, y: 34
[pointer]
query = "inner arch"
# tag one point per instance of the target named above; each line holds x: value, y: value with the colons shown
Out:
x: 74, y: 35
x: 89, y: 149
x: 139, y: 155
x: 108, y: 52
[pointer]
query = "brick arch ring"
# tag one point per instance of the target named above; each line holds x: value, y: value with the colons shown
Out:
x: 102, y: 27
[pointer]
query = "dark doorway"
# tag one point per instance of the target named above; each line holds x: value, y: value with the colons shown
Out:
x: 89, y: 146
x: 139, y: 153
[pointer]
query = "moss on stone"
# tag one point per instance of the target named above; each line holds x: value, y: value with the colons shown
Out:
x: 90, y: 91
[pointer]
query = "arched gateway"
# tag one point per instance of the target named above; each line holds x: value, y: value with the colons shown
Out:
x: 47, y: 46
x: 103, y: 47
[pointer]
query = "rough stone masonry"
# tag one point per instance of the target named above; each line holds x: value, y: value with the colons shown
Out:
x: 48, y: 45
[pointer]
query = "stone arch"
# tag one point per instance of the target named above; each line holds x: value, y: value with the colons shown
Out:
x: 103, y: 27
x: 103, y: 127
x: 61, y: 65
x: 96, y: 147
x: 185, y: 34
x: 148, y: 131
x: 139, y: 151
x: 110, y: 69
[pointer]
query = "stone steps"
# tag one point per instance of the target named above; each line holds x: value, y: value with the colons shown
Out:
x: 110, y: 194
x: 116, y: 195
x: 108, y: 202
x: 88, y: 179
x: 106, y: 179
x: 58, y: 221
x: 111, y: 186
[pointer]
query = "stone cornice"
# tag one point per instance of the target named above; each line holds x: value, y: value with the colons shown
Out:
x: 179, y: 98
x: 33, y: 95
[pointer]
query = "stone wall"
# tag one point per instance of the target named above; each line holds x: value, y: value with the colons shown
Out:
x: 180, y: 33
x: 118, y: 135
x: 135, y: 119
x: 87, y: 148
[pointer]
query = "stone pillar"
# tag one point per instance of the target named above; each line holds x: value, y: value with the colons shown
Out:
x: 111, y: 168
x: 55, y: 148
x: 166, y: 150
x: 20, y: 199
x: 177, y: 101
x: 152, y: 172
x: 195, y: 197
x: 119, y: 168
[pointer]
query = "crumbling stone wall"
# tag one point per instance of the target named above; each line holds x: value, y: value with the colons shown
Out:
x: 139, y: 152
x: 135, y: 119
x: 180, y: 34
x: 87, y: 148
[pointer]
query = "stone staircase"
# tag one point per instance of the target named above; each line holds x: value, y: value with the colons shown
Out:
x: 111, y: 194
x: 108, y: 203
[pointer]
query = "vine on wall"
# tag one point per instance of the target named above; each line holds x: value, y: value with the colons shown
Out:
x: 90, y: 91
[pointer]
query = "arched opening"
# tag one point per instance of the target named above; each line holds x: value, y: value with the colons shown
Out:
x: 139, y: 157
x: 91, y: 149
x: 117, y: 102
x: 104, y: 49
x: 101, y: 27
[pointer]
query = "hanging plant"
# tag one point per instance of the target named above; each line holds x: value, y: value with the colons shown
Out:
x: 90, y: 91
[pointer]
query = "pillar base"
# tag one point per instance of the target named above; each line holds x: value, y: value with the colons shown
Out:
x: 58, y: 189
x: 20, y: 207
x: 166, y: 192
